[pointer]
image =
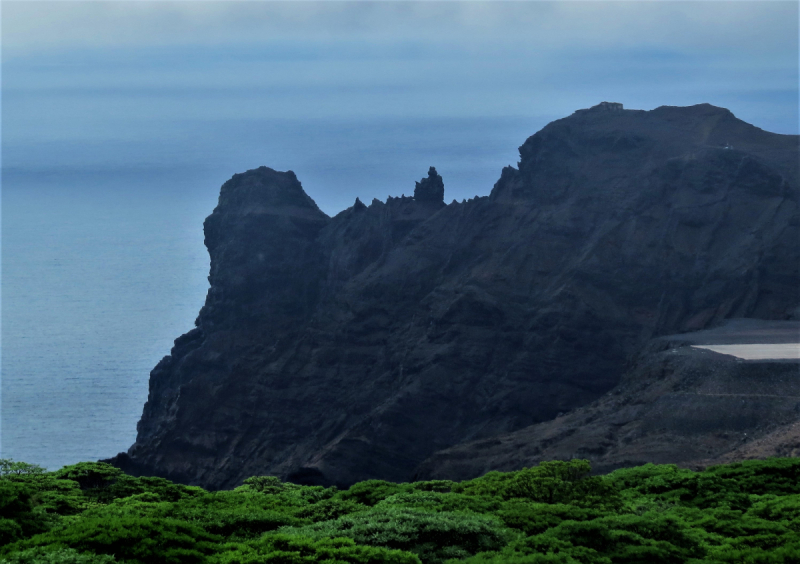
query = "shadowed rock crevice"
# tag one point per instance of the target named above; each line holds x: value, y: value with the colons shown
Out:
x: 332, y: 350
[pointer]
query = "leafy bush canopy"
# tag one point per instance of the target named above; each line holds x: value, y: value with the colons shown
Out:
x: 50, y: 555
x: 553, y: 513
x: 433, y: 536
x: 10, y: 468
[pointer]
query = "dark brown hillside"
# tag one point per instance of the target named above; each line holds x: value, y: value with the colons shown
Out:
x: 332, y: 350
x: 676, y: 404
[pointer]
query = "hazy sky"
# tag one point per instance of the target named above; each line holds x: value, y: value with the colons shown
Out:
x: 347, y: 92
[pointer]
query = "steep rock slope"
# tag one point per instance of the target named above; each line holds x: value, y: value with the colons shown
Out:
x: 332, y: 350
x: 676, y: 404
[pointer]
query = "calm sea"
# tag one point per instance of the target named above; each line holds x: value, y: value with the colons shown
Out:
x: 103, y: 263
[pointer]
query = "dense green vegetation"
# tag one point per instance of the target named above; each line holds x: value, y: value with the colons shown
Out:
x: 556, y: 512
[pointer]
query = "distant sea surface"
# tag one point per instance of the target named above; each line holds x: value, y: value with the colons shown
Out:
x: 103, y: 263
x: 95, y: 285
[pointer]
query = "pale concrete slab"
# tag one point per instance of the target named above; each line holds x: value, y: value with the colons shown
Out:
x: 781, y: 351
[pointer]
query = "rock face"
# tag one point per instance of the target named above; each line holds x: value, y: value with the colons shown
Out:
x: 430, y: 189
x: 676, y: 404
x: 332, y: 350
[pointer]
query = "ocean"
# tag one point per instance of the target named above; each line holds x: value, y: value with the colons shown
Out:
x: 103, y: 263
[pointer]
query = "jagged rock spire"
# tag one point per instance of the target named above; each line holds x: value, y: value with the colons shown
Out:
x: 430, y: 189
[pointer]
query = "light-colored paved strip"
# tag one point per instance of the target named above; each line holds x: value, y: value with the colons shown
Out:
x: 735, y: 395
x: 756, y: 351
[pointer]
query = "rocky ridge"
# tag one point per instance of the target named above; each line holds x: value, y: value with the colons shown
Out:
x: 332, y: 350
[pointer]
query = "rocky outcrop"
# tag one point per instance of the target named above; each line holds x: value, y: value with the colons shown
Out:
x: 430, y: 189
x: 332, y: 350
x: 676, y: 404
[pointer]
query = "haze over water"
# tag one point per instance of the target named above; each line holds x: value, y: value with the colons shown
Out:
x: 120, y: 121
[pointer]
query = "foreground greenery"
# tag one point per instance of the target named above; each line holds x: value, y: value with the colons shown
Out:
x: 556, y: 512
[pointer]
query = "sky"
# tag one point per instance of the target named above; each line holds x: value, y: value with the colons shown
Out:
x: 357, y: 97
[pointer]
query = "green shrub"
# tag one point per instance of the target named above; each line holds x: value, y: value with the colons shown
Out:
x: 291, y: 549
x: 328, y: 509
x: 787, y: 553
x: 57, y: 556
x: 542, y: 548
x: 517, y: 558
x: 432, y: 536
x: 239, y: 513
x: 775, y: 508
x: 556, y: 513
x: 779, y: 476
x: 730, y: 484
x: 736, y: 524
x: 124, y: 486
x: 137, y: 539
x: 625, y: 539
x: 265, y: 484
x: 371, y: 492
x: 442, y: 486
x: 17, y: 518
x: 439, y: 501
x: 246, y: 522
x: 9, y: 467
x: 536, y: 518
x: 89, y: 475
x: 51, y: 495
x: 549, y: 482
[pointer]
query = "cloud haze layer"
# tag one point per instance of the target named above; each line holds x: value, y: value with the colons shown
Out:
x: 580, y: 25
x: 136, y: 76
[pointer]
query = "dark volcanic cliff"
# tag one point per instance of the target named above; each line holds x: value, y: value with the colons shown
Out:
x: 332, y: 350
x: 676, y: 404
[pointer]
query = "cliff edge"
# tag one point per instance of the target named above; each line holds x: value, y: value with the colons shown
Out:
x: 333, y: 350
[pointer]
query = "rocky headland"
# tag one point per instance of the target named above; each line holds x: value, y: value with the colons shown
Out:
x: 374, y: 343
